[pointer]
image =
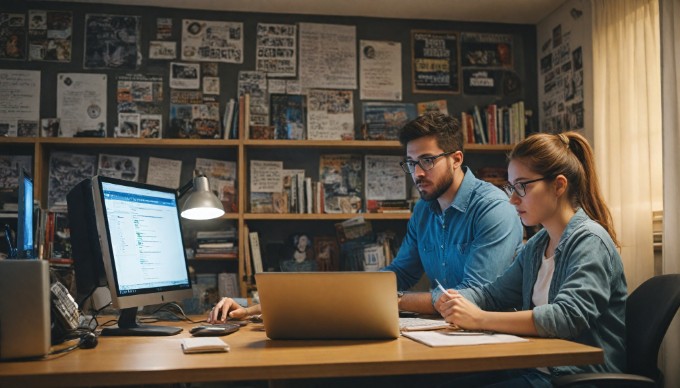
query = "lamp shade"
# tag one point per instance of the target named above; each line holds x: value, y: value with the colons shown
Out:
x: 202, y: 204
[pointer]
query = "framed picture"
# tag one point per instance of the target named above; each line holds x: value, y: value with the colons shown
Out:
x: 327, y: 253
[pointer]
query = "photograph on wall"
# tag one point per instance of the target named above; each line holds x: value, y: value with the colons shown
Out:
x: 185, y: 75
x: 276, y: 49
x: 383, y: 120
x: 119, y: 166
x: 81, y: 104
x: 49, y: 127
x: 50, y: 35
x: 485, y: 50
x: 112, y: 42
x: 440, y: 106
x: 194, y: 115
x: 254, y: 83
x: 163, y: 28
x: 288, y: 114
x: 159, y: 49
x: 19, y: 102
x: 12, y: 35
x: 211, y: 85
x: 380, y: 70
x: 140, y: 106
x: 213, y: 41
x: 435, y: 62
x: 65, y: 171
x: 340, y: 176
x: 330, y: 56
x: 330, y: 115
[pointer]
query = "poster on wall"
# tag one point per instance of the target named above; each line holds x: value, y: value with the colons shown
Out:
x: 435, y: 62
x: 140, y: 106
x: 380, y: 70
x: 111, y: 42
x: 12, y: 35
x: 254, y: 83
x: 81, y: 104
x: 194, y: 115
x: 330, y: 56
x: 485, y: 50
x: 383, y: 120
x: 330, y: 115
x: 49, y: 35
x: 204, y: 40
x: 275, y: 51
x: 561, y: 82
x: 19, y: 103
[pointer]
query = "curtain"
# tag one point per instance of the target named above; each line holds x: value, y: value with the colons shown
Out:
x: 670, y: 54
x: 627, y: 120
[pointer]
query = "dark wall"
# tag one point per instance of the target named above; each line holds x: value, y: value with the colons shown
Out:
x: 524, y: 52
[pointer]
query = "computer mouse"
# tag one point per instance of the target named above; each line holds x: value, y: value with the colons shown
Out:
x: 214, y: 330
x: 88, y: 341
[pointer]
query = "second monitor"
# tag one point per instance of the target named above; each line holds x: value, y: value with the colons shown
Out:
x: 135, y: 230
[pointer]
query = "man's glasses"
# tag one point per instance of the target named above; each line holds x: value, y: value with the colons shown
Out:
x: 426, y: 163
x: 520, y: 187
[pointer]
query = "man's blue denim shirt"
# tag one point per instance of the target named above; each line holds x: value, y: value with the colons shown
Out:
x: 587, y: 295
x: 470, y: 244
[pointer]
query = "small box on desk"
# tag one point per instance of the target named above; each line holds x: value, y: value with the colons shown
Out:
x: 24, y: 308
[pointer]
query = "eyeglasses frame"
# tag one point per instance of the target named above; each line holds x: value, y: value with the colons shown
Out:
x: 511, y: 186
x: 434, y: 158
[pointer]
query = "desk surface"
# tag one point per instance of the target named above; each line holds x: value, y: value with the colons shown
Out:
x: 149, y: 360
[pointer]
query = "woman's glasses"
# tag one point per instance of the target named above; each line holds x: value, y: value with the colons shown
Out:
x: 520, y: 187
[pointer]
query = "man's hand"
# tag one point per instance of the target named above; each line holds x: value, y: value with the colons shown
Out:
x: 460, y: 311
x: 227, y: 308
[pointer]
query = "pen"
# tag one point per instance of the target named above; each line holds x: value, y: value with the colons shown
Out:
x: 440, y: 287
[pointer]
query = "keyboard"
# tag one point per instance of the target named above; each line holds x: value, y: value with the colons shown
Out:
x: 418, y: 324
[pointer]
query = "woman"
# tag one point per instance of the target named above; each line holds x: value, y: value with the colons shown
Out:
x: 567, y: 281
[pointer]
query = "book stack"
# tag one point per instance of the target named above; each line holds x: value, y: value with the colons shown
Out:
x: 216, y: 245
x: 388, y: 206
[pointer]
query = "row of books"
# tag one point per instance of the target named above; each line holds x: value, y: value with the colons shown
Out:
x: 216, y: 244
x: 495, y: 124
x: 299, y: 194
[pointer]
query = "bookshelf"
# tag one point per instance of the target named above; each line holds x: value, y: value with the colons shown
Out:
x: 234, y: 149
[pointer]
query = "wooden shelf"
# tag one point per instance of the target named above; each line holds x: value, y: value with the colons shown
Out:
x: 323, y: 217
x: 372, y: 144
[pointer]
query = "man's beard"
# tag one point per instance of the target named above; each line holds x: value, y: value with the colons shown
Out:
x: 439, y: 189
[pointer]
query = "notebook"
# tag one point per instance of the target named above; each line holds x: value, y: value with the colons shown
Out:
x: 329, y: 305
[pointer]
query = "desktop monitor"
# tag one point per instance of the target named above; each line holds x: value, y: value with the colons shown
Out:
x: 138, y: 235
x: 25, y: 217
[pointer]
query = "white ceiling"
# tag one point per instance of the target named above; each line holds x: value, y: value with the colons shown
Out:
x: 495, y: 11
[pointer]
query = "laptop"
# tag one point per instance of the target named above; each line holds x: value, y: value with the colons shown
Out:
x: 329, y: 305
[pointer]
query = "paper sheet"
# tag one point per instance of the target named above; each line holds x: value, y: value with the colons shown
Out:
x: 458, y: 338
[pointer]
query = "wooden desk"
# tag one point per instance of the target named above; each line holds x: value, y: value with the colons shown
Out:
x: 157, y: 360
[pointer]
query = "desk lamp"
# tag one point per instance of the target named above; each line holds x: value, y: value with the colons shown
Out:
x: 201, y: 204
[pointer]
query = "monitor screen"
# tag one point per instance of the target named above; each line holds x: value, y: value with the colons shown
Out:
x: 140, y: 240
x: 25, y: 220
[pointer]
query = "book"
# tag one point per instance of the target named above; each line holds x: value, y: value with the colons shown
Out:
x: 342, y: 183
x: 228, y: 118
x: 288, y: 115
x: 256, y: 252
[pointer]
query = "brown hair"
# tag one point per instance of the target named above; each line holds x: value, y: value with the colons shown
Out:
x: 444, y: 128
x: 568, y: 154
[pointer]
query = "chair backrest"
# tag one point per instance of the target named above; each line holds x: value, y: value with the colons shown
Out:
x: 649, y: 311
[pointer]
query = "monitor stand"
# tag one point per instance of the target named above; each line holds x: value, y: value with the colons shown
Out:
x: 128, y: 326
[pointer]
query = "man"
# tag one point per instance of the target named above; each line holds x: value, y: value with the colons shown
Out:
x: 464, y: 232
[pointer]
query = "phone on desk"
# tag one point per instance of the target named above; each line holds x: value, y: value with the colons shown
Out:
x: 65, y: 314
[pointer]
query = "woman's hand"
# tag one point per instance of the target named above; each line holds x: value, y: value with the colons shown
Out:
x: 460, y: 311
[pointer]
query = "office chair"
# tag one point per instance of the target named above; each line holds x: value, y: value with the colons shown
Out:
x: 649, y: 311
